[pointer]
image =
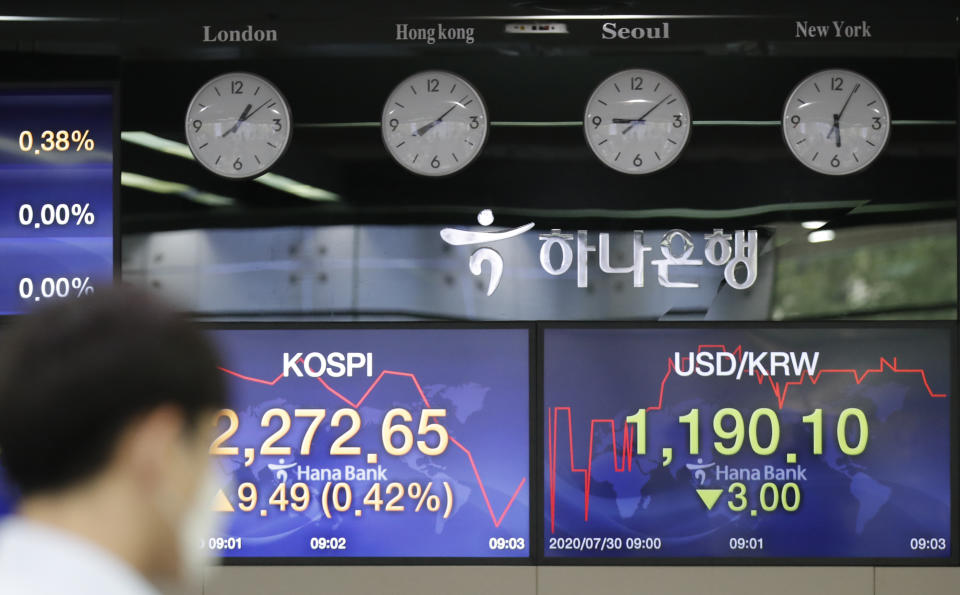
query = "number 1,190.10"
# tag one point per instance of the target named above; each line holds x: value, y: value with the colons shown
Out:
x: 732, y: 431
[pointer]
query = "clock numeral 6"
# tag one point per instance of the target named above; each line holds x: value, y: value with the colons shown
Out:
x: 795, y: 120
x: 196, y: 125
x: 434, y: 163
x: 835, y: 162
x: 637, y: 161
x: 237, y: 165
x: 596, y: 121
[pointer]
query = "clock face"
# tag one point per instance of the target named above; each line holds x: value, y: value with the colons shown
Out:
x: 238, y: 125
x: 836, y: 122
x: 637, y: 121
x: 434, y: 123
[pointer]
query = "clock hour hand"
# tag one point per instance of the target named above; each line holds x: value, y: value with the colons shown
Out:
x: 835, y: 128
x: 426, y: 127
x: 243, y: 116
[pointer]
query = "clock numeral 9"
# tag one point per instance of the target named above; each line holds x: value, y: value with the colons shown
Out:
x: 636, y: 83
x: 474, y: 123
x: 433, y: 85
x: 237, y: 165
x: 393, y: 124
x: 876, y: 123
x: 236, y: 87
x: 637, y: 161
x: 835, y: 162
x: 795, y: 120
x: 836, y: 83
x: 196, y: 125
x: 596, y: 120
x: 435, y: 163
x: 677, y: 121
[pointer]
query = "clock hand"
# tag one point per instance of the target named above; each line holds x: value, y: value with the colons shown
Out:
x: 243, y: 116
x: 250, y: 115
x: 424, y: 129
x: 836, y: 117
x: 647, y: 113
x: 844, y: 108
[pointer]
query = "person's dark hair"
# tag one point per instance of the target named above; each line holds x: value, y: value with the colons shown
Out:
x: 74, y: 375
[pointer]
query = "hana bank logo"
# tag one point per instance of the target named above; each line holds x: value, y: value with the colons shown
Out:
x: 736, y: 253
x: 462, y: 237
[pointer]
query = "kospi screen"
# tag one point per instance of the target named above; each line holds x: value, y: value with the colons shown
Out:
x: 56, y: 193
x: 374, y: 443
x: 763, y: 444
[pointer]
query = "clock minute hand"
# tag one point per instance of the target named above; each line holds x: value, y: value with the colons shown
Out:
x: 647, y: 113
x: 250, y: 115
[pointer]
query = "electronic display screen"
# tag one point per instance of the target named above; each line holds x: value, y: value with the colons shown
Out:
x: 56, y: 194
x: 374, y: 443
x: 785, y: 443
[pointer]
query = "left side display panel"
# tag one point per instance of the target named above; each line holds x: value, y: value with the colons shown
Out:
x: 57, y: 172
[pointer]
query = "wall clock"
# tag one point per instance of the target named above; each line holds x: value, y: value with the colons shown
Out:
x: 238, y: 125
x: 836, y: 122
x: 637, y: 121
x: 434, y: 123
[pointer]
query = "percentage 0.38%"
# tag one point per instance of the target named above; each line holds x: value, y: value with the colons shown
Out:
x: 56, y: 214
x: 56, y: 140
x: 54, y: 288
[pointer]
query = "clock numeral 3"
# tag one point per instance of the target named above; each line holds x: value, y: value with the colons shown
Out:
x: 677, y: 121
x: 474, y: 123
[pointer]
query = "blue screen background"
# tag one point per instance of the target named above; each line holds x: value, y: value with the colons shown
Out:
x: 54, y: 177
x: 866, y: 506
x: 480, y: 376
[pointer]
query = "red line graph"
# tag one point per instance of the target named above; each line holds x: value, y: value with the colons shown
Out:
x: 778, y: 389
x: 497, y: 520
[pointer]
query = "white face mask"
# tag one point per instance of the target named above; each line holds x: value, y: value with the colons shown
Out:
x: 198, y: 525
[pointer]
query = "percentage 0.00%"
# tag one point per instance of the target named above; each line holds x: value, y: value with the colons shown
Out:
x: 54, y: 288
x: 56, y: 214
x: 57, y: 140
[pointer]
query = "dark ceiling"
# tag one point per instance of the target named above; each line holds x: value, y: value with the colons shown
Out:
x: 340, y: 65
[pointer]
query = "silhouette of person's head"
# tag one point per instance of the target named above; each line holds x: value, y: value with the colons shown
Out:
x: 105, y: 420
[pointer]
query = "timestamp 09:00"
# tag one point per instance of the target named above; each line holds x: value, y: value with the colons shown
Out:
x: 602, y: 544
